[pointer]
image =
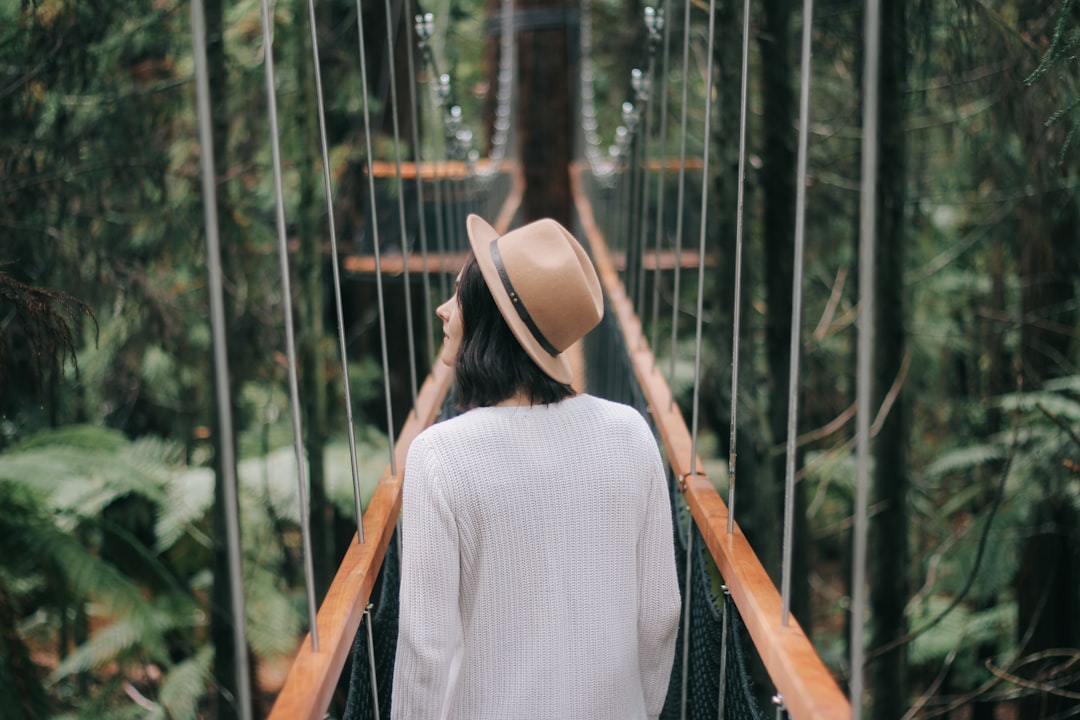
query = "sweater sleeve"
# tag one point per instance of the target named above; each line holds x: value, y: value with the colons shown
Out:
x: 659, y: 602
x: 429, y: 625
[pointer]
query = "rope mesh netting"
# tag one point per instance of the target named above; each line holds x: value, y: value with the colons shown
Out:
x: 608, y: 375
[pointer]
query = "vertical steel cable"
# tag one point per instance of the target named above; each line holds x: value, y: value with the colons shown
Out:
x: 732, y: 453
x: 682, y: 193
x: 221, y: 360
x: 644, y: 97
x: 290, y: 340
x: 440, y: 201
x: 686, y: 619
x: 738, y: 267
x: 392, y: 77
x: 371, y: 655
x: 864, y: 369
x: 664, y: 58
x: 722, y: 684
x: 429, y: 330
x: 700, y: 294
x: 702, y: 236
x: 796, y: 311
x: 337, y: 275
x: 375, y: 238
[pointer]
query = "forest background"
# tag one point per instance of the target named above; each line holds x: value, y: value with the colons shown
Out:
x: 112, y: 579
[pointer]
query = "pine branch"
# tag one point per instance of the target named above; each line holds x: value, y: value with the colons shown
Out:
x: 46, y: 318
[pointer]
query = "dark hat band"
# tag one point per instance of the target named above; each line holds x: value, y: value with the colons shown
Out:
x: 522, y: 311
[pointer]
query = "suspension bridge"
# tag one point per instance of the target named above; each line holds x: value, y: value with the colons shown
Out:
x: 618, y: 210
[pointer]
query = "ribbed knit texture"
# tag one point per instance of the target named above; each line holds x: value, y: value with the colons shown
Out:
x: 538, y: 573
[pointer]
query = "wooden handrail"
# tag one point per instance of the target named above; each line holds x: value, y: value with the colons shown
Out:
x: 808, y: 689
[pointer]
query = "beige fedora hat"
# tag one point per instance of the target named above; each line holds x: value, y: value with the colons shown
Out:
x: 544, y: 285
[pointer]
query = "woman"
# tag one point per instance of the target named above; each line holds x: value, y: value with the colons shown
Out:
x: 538, y: 568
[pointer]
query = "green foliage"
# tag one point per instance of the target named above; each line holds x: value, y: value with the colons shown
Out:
x: 1061, y: 57
x: 57, y: 490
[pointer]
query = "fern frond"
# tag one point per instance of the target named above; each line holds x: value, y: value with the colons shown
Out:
x: 104, y: 647
x: 186, y: 685
x: 188, y: 499
x: 273, y: 623
x: 964, y: 459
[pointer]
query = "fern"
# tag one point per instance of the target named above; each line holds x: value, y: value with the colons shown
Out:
x: 185, y: 685
x: 965, y: 459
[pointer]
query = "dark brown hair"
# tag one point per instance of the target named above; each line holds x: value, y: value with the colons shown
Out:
x: 491, y: 364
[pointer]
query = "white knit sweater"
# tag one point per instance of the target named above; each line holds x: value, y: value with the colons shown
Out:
x: 538, y: 568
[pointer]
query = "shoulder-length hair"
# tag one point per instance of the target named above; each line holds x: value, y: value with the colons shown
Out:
x: 491, y: 365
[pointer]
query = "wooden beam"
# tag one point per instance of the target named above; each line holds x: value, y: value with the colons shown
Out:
x: 808, y: 688
x: 449, y: 262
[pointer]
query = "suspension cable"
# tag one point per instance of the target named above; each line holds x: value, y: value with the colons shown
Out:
x: 737, y: 312
x: 392, y: 77
x: 702, y: 235
x: 290, y: 340
x: 662, y: 18
x: 353, y: 464
x: 643, y: 91
x: 796, y: 312
x: 732, y: 451
x: 701, y: 286
x: 864, y: 370
x: 375, y: 238
x: 214, y: 273
x: 429, y: 330
x: 681, y: 195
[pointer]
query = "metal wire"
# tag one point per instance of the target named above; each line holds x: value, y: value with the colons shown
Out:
x: 429, y: 329
x: 737, y: 312
x: 644, y: 97
x: 681, y: 195
x: 686, y: 620
x: 865, y: 345
x: 662, y: 174
x: 392, y: 78
x: 702, y: 235
x: 375, y: 238
x: 287, y: 311
x: 796, y: 312
x: 353, y: 464
x: 221, y: 360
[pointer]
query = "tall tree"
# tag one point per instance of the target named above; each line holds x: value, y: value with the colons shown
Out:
x: 888, y: 562
x: 545, y: 120
x: 778, y: 101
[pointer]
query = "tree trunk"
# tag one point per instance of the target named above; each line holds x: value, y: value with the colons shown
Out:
x: 763, y: 508
x: 545, y: 111
x: 888, y: 560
